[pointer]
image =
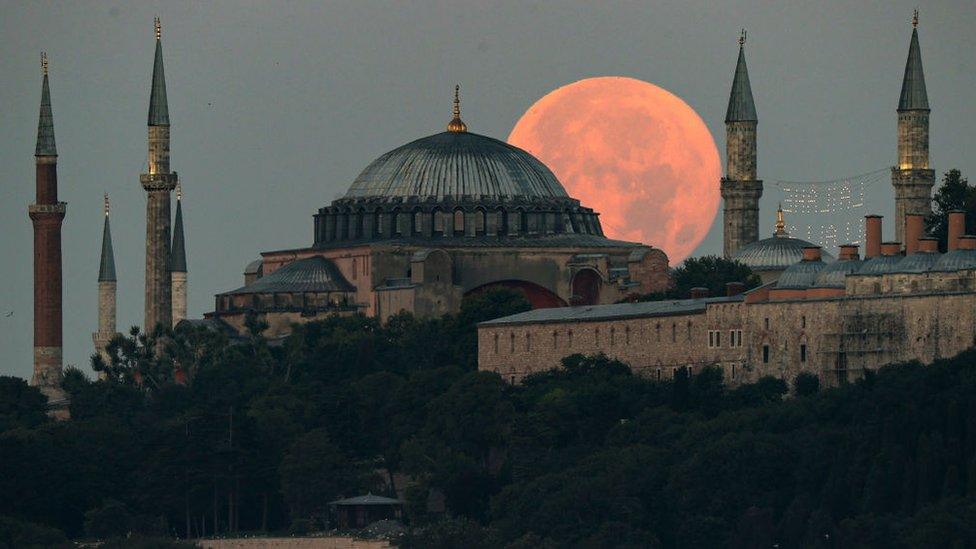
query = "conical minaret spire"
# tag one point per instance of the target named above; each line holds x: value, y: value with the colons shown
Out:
x: 107, y: 291
x: 47, y: 215
x: 741, y: 188
x: 177, y: 264
x: 158, y: 183
x: 912, y: 177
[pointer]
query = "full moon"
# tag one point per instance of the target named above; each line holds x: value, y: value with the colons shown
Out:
x: 635, y: 153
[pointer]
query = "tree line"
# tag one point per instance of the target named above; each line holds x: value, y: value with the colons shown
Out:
x: 263, y: 435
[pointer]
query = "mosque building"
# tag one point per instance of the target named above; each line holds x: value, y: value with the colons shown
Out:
x: 832, y: 318
x: 439, y: 218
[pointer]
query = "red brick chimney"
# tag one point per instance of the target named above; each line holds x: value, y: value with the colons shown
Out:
x: 848, y: 252
x: 957, y: 228
x: 699, y: 292
x: 928, y: 245
x: 734, y: 288
x: 914, y: 229
x: 890, y: 248
x: 872, y: 236
x: 967, y: 242
x: 811, y: 253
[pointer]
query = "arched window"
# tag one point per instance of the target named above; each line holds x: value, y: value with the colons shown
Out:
x: 555, y: 340
x: 438, y: 222
x: 596, y: 336
x: 479, y: 222
x: 528, y: 342
x: 398, y: 227
x: 569, y: 337
x: 500, y: 222
x: 379, y: 222
x: 512, y: 342
x: 613, y: 333
x: 458, y: 221
x: 627, y: 335
x: 496, y: 344
x: 658, y: 330
x: 418, y: 222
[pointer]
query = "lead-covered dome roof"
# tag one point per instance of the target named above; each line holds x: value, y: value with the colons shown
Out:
x: 456, y: 164
x: 774, y: 253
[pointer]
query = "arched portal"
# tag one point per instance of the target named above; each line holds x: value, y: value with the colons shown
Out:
x: 586, y: 287
x: 538, y: 296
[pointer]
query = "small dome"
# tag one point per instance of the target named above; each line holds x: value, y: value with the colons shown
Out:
x: 834, y: 274
x: 802, y: 274
x: 956, y: 260
x: 878, y: 265
x: 455, y: 164
x: 918, y: 262
x: 312, y: 274
x: 774, y: 253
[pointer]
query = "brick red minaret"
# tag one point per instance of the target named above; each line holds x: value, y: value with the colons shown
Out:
x: 158, y: 183
x: 47, y: 213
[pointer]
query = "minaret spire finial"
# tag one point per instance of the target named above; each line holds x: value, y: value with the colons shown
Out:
x: 179, y: 191
x: 456, y: 125
x: 158, y: 27
x: 44, y: 62
x: 915, y: 19
x: 106, y: 205
x: 742, y: 37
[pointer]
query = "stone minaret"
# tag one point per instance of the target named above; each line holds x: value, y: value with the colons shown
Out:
x: 47, y: 214
x: 740, y: 187
x: 912, y: 177
x: 158, y: 183
x: 177, y: 262
x: 106, y: 292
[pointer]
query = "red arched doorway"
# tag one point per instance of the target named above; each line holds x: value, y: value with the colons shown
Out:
x: 586, y: 287
x: 538, y: 296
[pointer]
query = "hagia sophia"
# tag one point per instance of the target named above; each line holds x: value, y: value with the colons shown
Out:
x: 455, y: 213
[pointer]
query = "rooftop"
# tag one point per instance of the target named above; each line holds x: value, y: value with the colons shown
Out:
x: 616, y: 311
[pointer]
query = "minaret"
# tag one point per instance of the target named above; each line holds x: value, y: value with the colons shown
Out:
x: 912, y: 177
x: 740, y: 188
x: 106, y: 292
x: 177, y: 262
x: 47, y: 214
x: 158, y: 183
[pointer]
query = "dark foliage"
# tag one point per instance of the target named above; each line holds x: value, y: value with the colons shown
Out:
x: 261, y: 438
x: 711, y: 272
x: 955, y: 194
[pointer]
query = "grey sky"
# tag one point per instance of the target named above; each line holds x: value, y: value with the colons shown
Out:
x: 276, y: 107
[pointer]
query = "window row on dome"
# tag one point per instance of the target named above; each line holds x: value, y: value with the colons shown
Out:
x: 336, y: 224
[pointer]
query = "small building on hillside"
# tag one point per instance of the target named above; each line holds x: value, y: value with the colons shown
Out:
x: 361, y: 511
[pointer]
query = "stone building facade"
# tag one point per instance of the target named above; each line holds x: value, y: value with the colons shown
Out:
x: 885, y: 309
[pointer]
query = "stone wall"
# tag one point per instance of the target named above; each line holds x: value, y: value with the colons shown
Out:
x: 835, y: 338
x: 330, y: 542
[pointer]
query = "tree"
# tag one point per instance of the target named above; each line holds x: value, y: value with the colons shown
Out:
x: 806, y: 384
x: 20, y: 404
x: 708, y: 271
x: 955, y: 194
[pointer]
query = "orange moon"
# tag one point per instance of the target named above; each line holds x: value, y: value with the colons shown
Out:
x: 634, y: 152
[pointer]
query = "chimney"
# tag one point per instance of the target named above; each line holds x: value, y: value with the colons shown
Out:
x: 957, y: 228
x: 890, y: 248
x: 734, y: 288
x: 967, y: 242
x: 811, y: 253
x: 872, y: 236
x: 928, y: 245
x: 699, y: 292
x: 914, y: 227
x: 848, y: 252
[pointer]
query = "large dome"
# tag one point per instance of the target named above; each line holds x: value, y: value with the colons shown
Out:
x: 456, y: 164
x: 775, y: 253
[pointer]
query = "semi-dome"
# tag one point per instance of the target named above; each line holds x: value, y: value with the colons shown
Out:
x: 918, y: 262
x: 312, y: 274
x: 881, y: 264
x: 456, y: 164
x: 956, y: 260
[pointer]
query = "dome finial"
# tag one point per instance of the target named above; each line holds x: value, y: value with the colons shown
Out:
x: 158, y: 27
x: 780, y: 222
x: 915, y: 19
x: 106, y: 204
x: 456, y: 125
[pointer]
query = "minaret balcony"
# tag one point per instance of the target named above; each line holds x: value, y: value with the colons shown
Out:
x: 158, y: 181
